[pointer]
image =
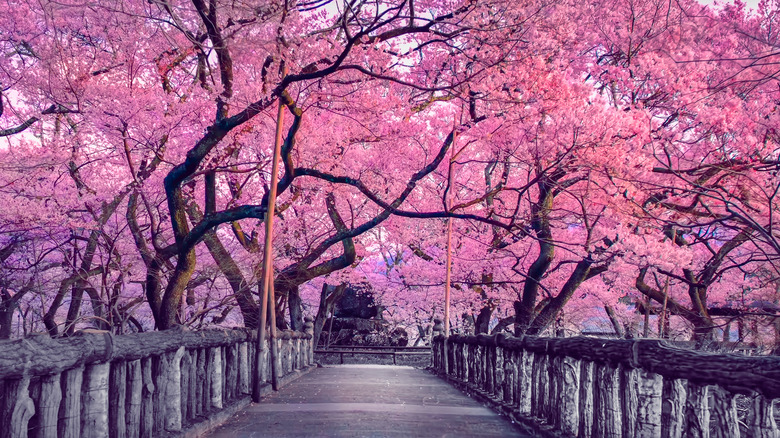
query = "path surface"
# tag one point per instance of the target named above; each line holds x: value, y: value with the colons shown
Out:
x: 367, y: 401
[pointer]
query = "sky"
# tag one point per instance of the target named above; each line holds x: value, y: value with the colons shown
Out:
x: 751, y: 4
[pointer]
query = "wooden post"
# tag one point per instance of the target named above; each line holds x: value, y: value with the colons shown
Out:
x: 724, y: 406
x: 436, y: 349
x: 147, y: 402
x: 673, y: 417
x: 223, y: 353
x: 250, y: 363
x: 479, y: 359
x: 587, y: 388
x: 173, y: 413
x: 18, y: 407
x: 186, y: 386
x: 544, y: 383
x: 284, y: 350
x: 463, y: 365
x: 525, y: 382
x: 243, y: 368
x: 555, y: 373
x: 448, y: 264
x: 215, y: 374
x: 160, y: 377
x: 608, y: 421
x: 70, y: 411
x: 554, y: 391
x: 49, y: 406
x: 510, y: 376
x: 117, y: 400
x: 309, y: 343
x: 629, y: 399
x: 697, y: 412
x: 569, y: 406
x: 95, y: 401
x: 761, y: 420
x: 289, y: 354
x: 448, y: 279
x: 266, y: 298
x: 301, y: 348
x: 539, y: 386
x: 134, y: 396
x: 302, y: 353
x: 650, y: 393
x: 231, y: 352
x: 488, y: 363
x: 201, y: 378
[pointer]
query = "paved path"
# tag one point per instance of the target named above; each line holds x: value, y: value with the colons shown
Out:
x: 367, y: 401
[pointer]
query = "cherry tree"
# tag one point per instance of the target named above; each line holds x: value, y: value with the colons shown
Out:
x: 553, y: 133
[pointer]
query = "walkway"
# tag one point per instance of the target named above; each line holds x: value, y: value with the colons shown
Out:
x: 367, y: 401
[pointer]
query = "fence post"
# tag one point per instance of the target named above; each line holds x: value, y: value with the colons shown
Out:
x: 609, y: 418
x: 587, y: 388
x: 437, y: 355
x: 215, y: 373
x: 243, y: 368
x: 18, y: 409
x: 724, y: 406
x: 173, y: 414
x: 49, y: 405
x: 569, y: 407
x: 135, y: 388
x: 697, y: 412
x: 761, y: 419
x: 649, y: 411
x: 117, y: 399
x: 70, y: 417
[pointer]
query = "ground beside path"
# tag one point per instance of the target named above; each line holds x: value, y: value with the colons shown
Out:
x: 367, y: 401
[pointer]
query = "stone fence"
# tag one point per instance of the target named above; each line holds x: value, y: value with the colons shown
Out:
x: 587, y: 387
x: 150, y: 384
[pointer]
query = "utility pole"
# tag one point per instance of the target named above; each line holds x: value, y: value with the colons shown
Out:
x: 267, y: 299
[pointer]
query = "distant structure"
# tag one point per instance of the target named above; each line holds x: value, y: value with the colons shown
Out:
x: 358, y: 321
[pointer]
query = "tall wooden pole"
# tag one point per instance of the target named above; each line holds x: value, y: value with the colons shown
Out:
x: 448, y: 205
x: 448, y: 275
x: 267, y: 300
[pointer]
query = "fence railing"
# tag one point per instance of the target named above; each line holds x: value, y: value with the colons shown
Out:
x: 588, y: 387
x: 138, y: 385
x: 379, y: 355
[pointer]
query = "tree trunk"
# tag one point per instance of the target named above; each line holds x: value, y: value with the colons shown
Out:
x: 614, y: 320
x: 229, y: 268
x: 526, y: 307
x: 77, y: 292
x: 7, y: 307
x: 153, y: 288
x: 327, y: 303
x: 171, y: 301
x: 553, y: 307
x: 296, y: 308
x: 97, y: 309
x: 482, y: 325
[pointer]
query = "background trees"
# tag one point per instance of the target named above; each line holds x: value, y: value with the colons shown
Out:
x: 628, y: 147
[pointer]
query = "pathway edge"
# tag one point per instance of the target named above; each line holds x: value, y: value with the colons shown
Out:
x: 218, y: 418
x: 526, y: 424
